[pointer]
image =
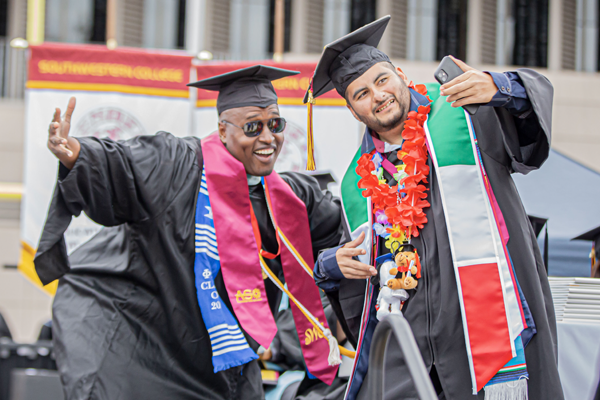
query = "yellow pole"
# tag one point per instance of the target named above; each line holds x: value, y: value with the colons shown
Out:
x: 36, y: 16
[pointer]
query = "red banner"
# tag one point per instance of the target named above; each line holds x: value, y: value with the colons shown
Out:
x: 290, y: 90
x: 96, y: 68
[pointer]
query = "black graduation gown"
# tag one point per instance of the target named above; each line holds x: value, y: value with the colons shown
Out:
x: 126, y: 317
x: 508, y: 144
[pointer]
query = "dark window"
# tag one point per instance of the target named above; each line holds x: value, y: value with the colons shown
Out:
x: 99, y: 24
x: 3, y: 17
x: 362, y: 13
x: 531, y: 33
x: 452, y: 29
x: 181, y: 25
x: 287, y: 5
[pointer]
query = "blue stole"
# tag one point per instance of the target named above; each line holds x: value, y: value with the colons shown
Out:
x: 229, y: 346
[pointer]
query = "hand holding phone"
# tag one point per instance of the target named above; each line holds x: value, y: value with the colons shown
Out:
x: 448, y: 70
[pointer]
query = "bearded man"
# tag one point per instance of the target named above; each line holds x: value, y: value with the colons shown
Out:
x: 429, y: 199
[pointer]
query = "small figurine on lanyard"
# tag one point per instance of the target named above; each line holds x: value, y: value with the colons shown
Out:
x: 390, y: 299
x: 407, y: 270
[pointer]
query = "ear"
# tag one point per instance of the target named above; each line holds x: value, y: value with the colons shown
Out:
x: 222, y: 133
x: 352, y: 111
x: 402, y: 76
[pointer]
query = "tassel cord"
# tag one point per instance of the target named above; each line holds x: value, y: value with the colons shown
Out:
x: 333, y: 344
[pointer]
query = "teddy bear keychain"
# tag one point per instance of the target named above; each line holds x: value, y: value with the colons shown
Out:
x: 407, y: 270
x: 389, y: 300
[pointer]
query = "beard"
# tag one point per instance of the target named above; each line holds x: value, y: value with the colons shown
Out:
x: 392, y: 121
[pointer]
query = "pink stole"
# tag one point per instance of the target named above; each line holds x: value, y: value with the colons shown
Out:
x: 228, y: 190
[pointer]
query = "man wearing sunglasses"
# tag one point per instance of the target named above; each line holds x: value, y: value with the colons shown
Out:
x: 176, y: 303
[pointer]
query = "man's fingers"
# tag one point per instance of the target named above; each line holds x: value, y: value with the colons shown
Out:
x: 356, y: 276
x: 459, y: 79
x: 56, y: 117
x: 472, y: 91
x: 66, y: 151
x: 357, y: 267
x: 57, y: 140
x: 466, y: 101
x: 353, y: 274
x: 70, y: 109
x: 351, y: 252
x: 53, y: 128
x: 59, y: 146
x: 356, y: 242
x: 459, y: 87
x: 461, y: 64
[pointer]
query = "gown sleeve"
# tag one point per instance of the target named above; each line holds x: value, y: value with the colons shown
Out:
x: 527, y: 135
x: 113, y: 183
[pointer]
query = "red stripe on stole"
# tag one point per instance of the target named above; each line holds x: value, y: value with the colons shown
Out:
x: 486, y: 320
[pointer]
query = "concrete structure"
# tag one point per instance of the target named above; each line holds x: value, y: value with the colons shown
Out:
x: 238, y: 29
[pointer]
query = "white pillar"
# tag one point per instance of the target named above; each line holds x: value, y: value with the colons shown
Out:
x: 501, y: 25
x: 336, y: 19
x: 17, y: 18
x: 300, y: 12
x: 590, y: 34
x: 555, y: 32
x: 384, y: 7
x: 249, y: 29
x: 422, y: 30
x: 474, y: 32
x: 428, y: 30
x: 195, y: 17
x: 160, y: 23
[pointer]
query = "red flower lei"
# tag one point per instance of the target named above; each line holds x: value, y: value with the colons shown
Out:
x: 405, y: 212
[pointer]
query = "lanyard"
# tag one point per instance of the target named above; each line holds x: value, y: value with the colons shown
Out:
x: 256, y: 230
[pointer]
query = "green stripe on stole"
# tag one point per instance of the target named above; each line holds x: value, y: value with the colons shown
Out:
x: 452, y: 149
x: 355, y: 205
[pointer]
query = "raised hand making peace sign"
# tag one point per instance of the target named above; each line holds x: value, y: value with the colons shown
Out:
x: 64, y: 147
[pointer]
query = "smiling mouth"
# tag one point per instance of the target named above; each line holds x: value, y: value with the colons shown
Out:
x: 385, y: 106
x: 264, y: 154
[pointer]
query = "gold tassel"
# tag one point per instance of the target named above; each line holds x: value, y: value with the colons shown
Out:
x: 310, y: 142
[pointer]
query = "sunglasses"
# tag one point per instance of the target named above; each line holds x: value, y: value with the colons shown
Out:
x: 254, y: 128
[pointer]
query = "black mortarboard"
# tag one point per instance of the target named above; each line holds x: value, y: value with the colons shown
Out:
x: 348, y: 58
x: 324, y: 178
x: 537, y: 223
x: 593, y: 236
x: 245, y: 87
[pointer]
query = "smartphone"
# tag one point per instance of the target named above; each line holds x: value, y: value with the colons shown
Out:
x: 448, y: 70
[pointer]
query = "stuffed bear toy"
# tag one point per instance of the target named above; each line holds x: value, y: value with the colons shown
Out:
x: 390, y: 299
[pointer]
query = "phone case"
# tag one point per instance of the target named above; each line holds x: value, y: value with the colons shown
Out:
x: 448, y: 70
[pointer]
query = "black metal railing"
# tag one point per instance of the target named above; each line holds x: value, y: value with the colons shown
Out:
x: 398, y: 327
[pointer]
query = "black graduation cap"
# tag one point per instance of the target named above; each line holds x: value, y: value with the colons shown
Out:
x: 324, y: 179
x: 593, y: 236
x: 537, y: 223
x: 348, y: 58
x: 245, y: 87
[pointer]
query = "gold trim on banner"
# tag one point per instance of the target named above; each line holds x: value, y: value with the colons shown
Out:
x: 108, y: 87
x: 28, y: 269
x: 282, y: 101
